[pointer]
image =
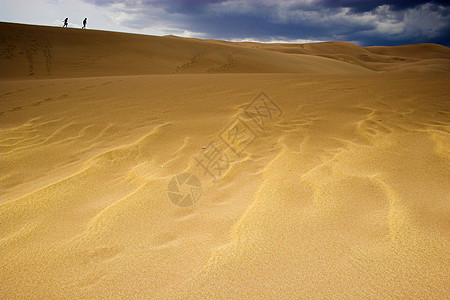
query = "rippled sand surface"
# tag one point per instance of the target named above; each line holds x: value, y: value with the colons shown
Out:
x: 316, y: 171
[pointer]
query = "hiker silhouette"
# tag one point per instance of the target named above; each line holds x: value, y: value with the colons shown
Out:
x: 66, y: 22
x: 84, y: 23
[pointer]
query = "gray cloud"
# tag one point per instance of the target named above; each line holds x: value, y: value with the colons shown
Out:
x: 372, y: 22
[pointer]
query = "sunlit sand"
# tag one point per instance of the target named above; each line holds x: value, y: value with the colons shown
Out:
x: 338, y: 190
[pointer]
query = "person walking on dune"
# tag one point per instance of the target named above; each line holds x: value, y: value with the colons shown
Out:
x: 84, y: 23
x: 66, y: 22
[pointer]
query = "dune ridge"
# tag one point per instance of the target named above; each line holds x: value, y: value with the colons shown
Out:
x: 341, y: 194
x: 49, y: 52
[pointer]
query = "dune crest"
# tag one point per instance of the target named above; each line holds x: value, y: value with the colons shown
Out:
x: 48, y: 52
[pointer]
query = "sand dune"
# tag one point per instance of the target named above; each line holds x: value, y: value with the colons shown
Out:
x: 342, y: 193
x: 48, y: 52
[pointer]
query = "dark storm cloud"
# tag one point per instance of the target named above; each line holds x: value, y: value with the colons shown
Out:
x: 368, y: 5
x: 371, y: 22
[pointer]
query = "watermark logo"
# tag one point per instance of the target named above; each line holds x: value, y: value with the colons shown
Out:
x: 184, y: 189
x: 262, y: 110
x: 237, y: 136
x: 212, y: 160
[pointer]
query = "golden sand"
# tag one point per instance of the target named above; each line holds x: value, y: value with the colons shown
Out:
x: 341, y: 193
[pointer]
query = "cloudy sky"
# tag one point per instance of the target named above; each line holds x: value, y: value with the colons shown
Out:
x: 370, y: 22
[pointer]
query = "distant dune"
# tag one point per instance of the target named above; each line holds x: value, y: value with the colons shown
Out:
x: 51, y: 52
x: 144, y: 167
